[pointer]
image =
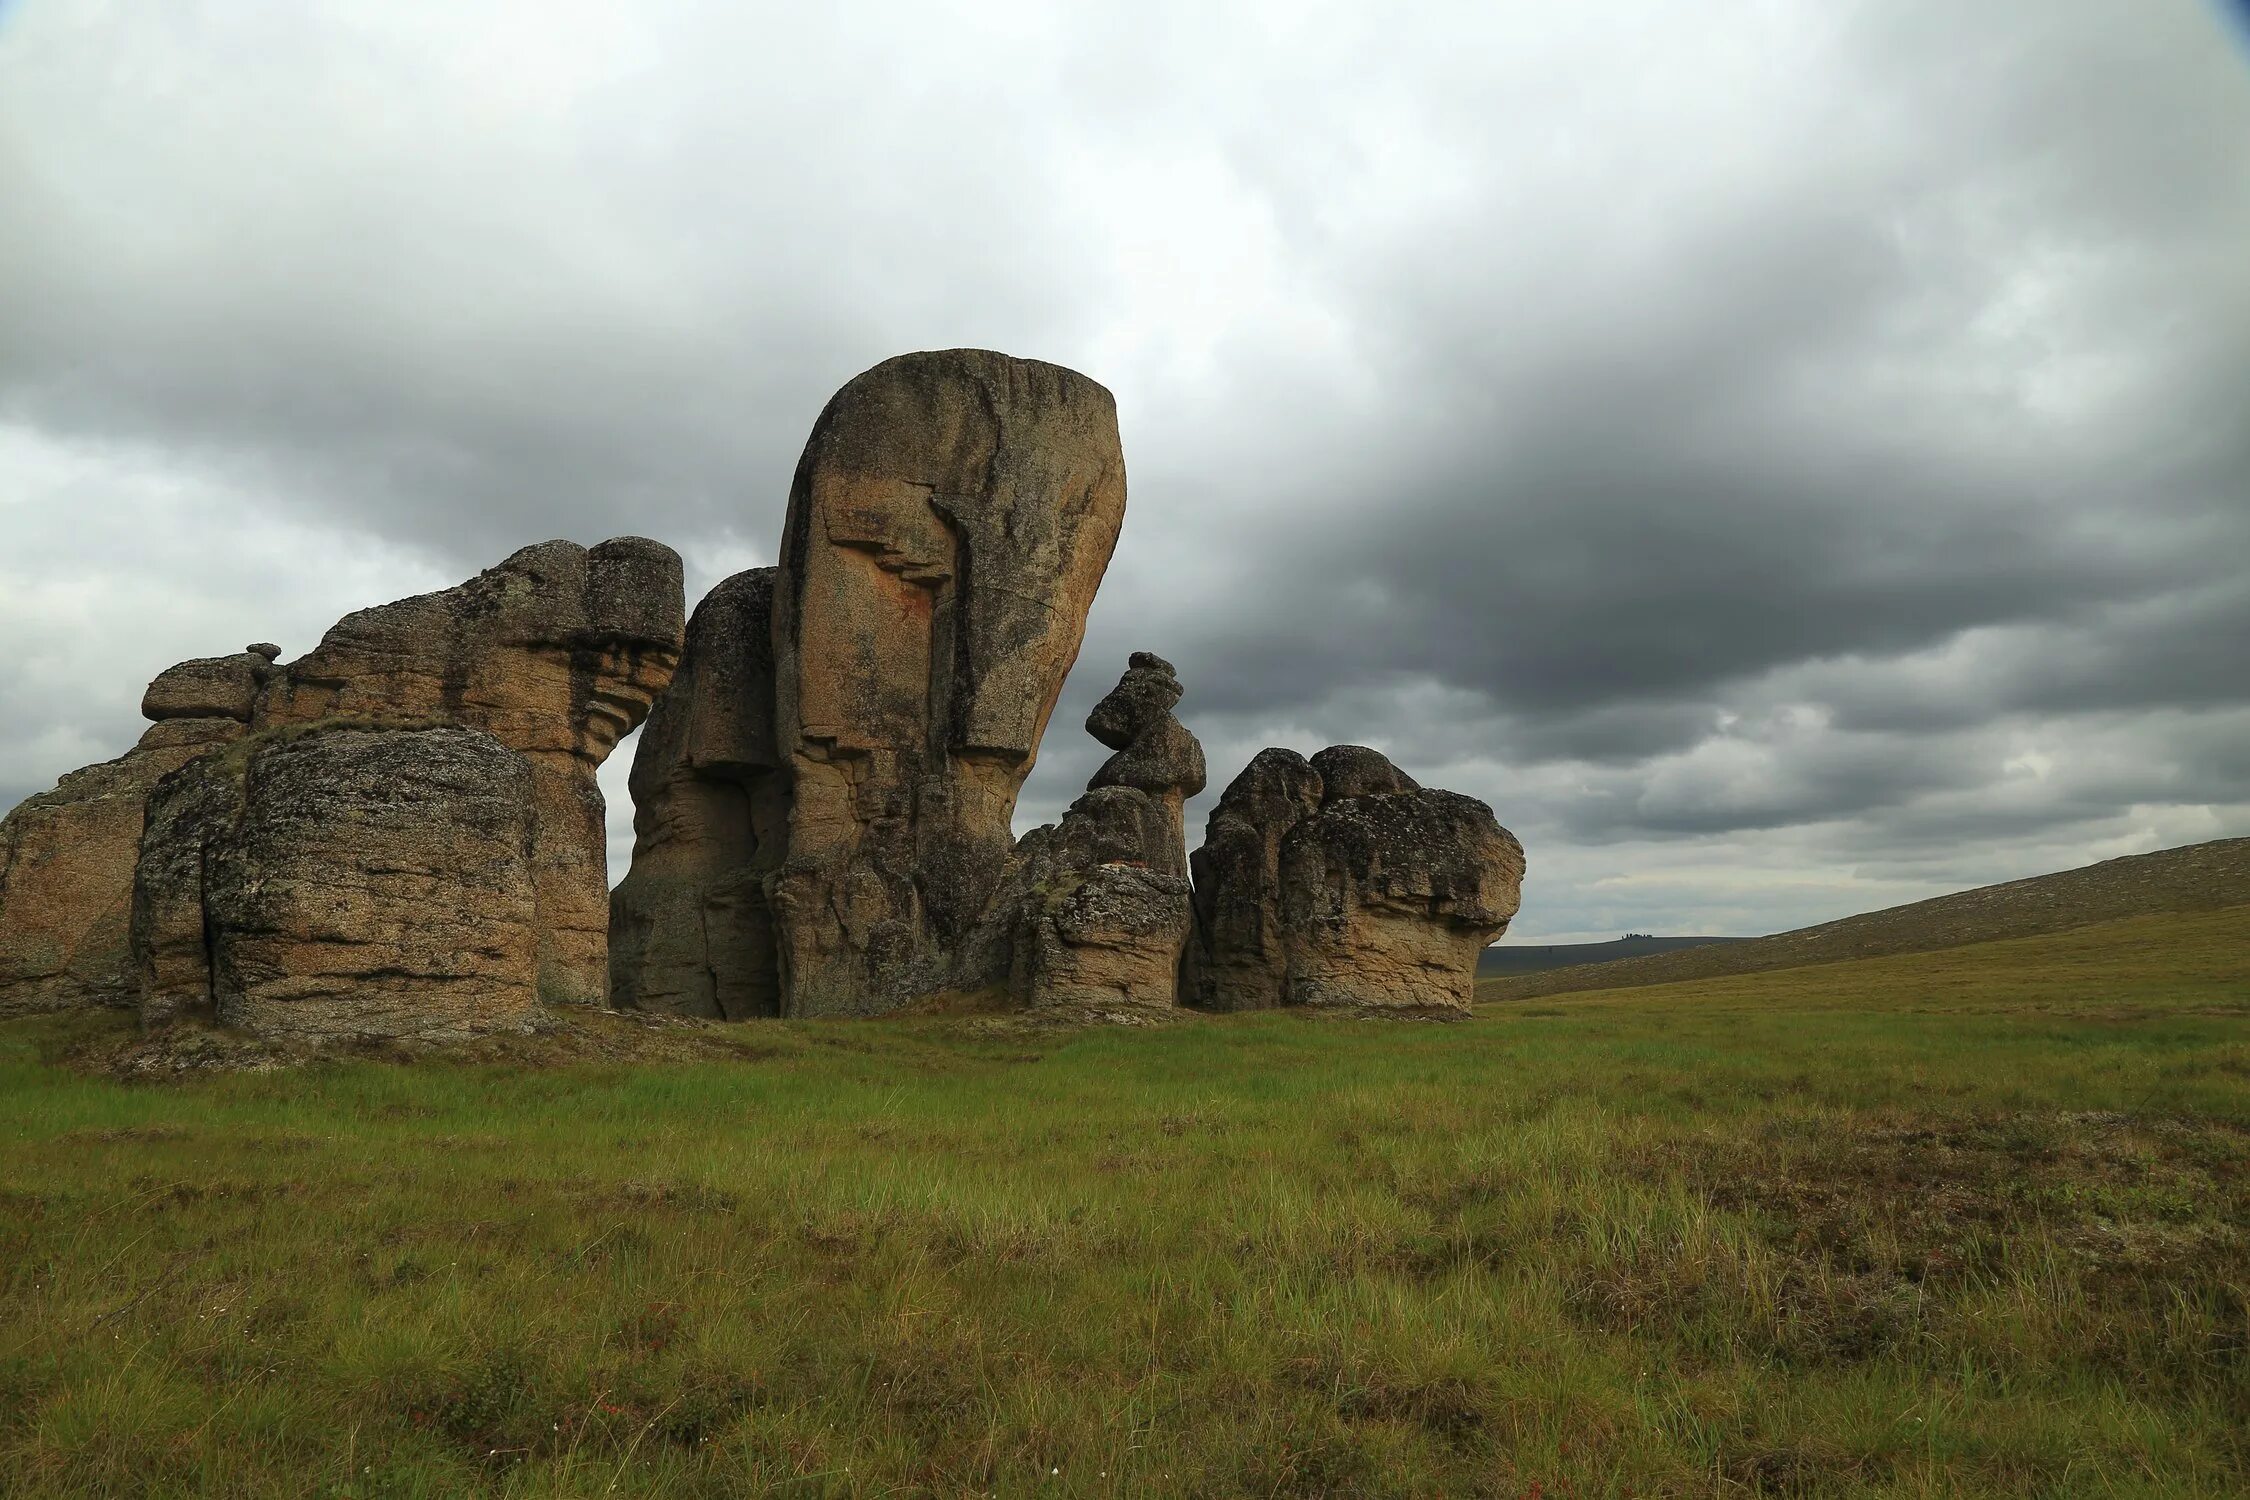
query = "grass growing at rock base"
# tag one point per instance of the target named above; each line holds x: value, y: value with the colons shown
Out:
x: 1974, y: 1222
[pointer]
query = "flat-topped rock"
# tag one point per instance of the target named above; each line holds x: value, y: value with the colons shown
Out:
x: 66, y: 855
x: 342, y: 882
x: 558, y: 653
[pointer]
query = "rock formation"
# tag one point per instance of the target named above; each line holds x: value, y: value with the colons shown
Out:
x: 66, y: 856
x: 690, y: 932
x: 950, y: 520
x: 1155, y: 753
x: 1240, y: 957
x: 1342, y: 883
x: 1097, y: 909
x: 339, y: 881
x: 400, y: 833
x: 557, y: 653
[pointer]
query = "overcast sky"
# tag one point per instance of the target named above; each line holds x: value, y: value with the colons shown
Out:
x: 1788, y: 458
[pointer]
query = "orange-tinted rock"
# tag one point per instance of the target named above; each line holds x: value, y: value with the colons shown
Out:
x: 66, y: 855
x: 557, y: 653
x: 343, y: 882
x: 950, y: 520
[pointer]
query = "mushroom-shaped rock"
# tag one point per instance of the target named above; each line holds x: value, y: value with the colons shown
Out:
x: 949, y: 522
x: 1368, y: 892
x: 343, y: 882
x: 689, y: 929
x: 66, y: 855
x: 1388, y: 898
x: 557, y: 653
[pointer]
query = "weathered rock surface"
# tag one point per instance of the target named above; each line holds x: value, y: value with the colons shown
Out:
x: 1096, y: 909
x: 1155, y: 753
x: 66, y: 856
x: 690, y: 931
x: 1239, y: 959
x: 339, y: 882
x: 558, y: 653
x: 950, y: 520
x: 1342, y: 883
x: 1094, y: 930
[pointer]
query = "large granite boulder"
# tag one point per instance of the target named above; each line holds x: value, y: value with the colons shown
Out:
x: 557, y: 653
x: 1341, y: 883
x: 342, y: 882
x: 66, y: 856
x: 689, y: 929
x: 950, y: 520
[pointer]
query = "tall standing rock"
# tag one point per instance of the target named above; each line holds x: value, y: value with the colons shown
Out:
x: 949, y: 522
x: 1342, y: 883
x: 1239, y: 957
x: 1155, y: 753
x: 558, y: 653
x: 343, y: 882
x: 690, y: 931
x: 1096, y: 911
x: 66, y: 856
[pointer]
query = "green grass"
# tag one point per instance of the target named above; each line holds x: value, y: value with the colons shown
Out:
x: 1974, y: 1222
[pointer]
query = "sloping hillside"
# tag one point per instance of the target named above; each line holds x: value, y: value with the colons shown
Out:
x: 2196, y: 877
x: 1504, y: 959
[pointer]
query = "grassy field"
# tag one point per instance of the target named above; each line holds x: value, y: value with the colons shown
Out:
x: 1975, y: 1222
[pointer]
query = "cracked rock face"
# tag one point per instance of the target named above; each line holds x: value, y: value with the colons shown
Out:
x: 339, y: 883
x: 1341, y: 883
x: 66, y: 856
x: 557, y: 653
x: 950, y: 520
x: 690, y: 930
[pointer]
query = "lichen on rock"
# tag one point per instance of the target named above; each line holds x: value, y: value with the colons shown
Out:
x: 950, y: 520
x: 342, y: 881
x: 1341, y: 883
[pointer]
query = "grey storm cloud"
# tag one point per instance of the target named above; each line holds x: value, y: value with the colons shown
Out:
x: 1786, y: 458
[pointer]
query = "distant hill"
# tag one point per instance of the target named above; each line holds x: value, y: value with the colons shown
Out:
x: 2196, y: 877
x: 1532, y: 958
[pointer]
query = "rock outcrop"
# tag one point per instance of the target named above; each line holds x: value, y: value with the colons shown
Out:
x: 949, y: 522
x: 1097, y: 908
x: 557, y: 653
x: 690, y: 932
x: 1155, y: 753
x: 66, y: 856
x: 343, y: 882
x: 1095, y: 932
x: 1342, y: 883
x: 1240, y: 957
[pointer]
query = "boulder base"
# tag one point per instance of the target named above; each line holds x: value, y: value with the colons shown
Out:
x: 343, y: 883
x: 1342, y: 883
